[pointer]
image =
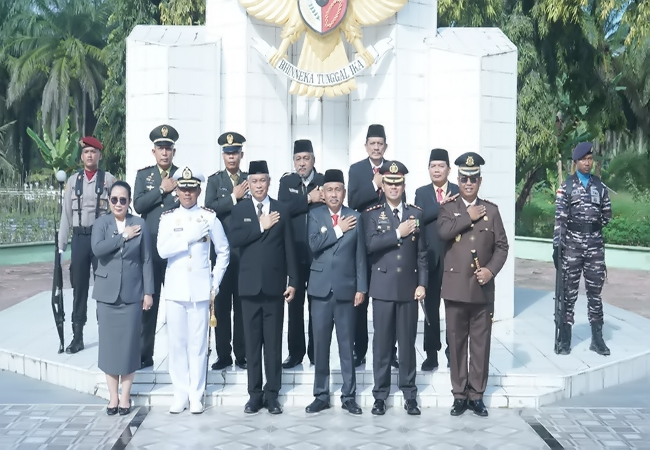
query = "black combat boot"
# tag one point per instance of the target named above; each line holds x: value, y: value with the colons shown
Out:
x: 77, y: 343
x: 597, y: 342
x: 565, y: 345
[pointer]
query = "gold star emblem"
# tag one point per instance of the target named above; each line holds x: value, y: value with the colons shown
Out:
x: 187, y: 173
x: 164, y: 131
x: 469, y: 162
x: 393, y: 168
x: 230, y: 139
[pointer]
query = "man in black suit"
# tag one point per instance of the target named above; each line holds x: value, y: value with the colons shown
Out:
x: 261, y: 228
x: 225, y: 189
x: 429, y: 197
x: 338, y: 283
x: 301, y: 191
x: 398, y: 259
x: 365, y: 192
x: 155, y: 193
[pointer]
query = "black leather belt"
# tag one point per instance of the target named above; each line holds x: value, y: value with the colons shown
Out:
x: 82, y: 230
x: 584, y: 227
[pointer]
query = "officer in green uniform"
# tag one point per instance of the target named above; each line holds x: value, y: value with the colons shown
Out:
x: 154, y: 194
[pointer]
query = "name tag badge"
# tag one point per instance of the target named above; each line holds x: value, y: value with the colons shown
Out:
x: 295, y: 191
x: 247, y: 219
x: 178, y: 229
x: 595, y: 195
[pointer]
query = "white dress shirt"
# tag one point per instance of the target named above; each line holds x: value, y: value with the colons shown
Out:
x: 373, y: 168
x: 467, y: 204
x: 337, y: 228
x: 400, y: 209
x: 266, y: 208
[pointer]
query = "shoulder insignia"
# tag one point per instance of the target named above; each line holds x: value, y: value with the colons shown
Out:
x: 411, y: 205
x: 488, y: 201
x: 286, y: 174
x: 208, y: 209
x: 218, y: 172
x: 145, y: 168
x: 372, y: 208
x: 169, y: 211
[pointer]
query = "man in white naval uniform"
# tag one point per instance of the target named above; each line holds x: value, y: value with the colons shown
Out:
x: 184, y: 240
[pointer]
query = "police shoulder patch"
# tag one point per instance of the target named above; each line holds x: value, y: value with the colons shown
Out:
x: 372, y: 208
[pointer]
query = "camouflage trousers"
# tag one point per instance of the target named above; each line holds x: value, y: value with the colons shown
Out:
x: 590, y: 260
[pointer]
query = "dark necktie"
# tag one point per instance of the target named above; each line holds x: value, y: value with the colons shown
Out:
x: 259, y: 209
x: 396, y: 214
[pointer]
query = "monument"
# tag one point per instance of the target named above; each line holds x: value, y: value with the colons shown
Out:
x: 281, y: 70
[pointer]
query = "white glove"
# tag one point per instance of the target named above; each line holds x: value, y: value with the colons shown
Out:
x: 197, y: 231
x: 60, y: 256
x: 214, y: 290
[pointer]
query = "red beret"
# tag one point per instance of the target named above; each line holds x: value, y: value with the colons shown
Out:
x: 90, y: 141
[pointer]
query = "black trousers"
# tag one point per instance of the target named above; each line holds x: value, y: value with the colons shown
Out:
x: 229, y: 325
x: 150, y: 317
x: 81, y: 258
x: 329, y: 312
x: 296, y: 331
x: 263, y: 317
x: 432, y: 342
x: 394, y: 319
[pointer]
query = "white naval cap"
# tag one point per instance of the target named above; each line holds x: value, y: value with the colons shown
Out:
x: 188, y: 178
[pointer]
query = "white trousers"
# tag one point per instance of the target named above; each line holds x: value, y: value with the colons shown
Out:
x: 187, y: 328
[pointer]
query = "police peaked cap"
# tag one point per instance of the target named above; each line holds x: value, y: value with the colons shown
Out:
x: 582, y: 149
x: 231, y: 142
x: 469, y: 163
x: 302, y: 146
x: 333, y: 176
x: 188, y: 179
x: 164, y: 135
x: 258, y: 167
x: 393, y: 172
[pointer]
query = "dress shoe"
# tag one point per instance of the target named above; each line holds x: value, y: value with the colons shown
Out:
x: 411, y: 407
x: 478, y: 407
x: 77, y: 343
x: 146, y: 363
x: 459, y: 406
x: 178, y: 406
x: 359, y: 361
x: 124, y: 411
x: 252, y: 407
x: 273, y: 406
x: 222, y: 363
x: 352, y: 407
x: 111, y: 411
x: 291, y: 362
x: 196, y: 407
x: 241, y: 363
x: 379, y: 408
x: 317, y: 406
x: 431, y: 363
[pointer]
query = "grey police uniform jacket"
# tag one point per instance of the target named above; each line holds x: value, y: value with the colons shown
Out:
x: 124, y: 269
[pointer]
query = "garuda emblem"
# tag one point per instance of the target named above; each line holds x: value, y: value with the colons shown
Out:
x: 323, y: 51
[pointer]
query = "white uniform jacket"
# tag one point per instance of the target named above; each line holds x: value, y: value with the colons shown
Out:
x: 188, y: 276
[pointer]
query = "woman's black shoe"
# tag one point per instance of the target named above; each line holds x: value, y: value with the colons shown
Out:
x: 124, y: 411
x: 111, y: 411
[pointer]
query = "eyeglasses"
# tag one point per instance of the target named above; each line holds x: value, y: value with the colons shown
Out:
x: 123, y: 201
x: 464, y: 180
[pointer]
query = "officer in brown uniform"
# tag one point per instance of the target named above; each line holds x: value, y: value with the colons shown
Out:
x: 477, y: 248
x: 85, y: 199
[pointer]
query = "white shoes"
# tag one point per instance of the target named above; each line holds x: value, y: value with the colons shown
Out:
x: 196, y: 407
x: 178, y: 406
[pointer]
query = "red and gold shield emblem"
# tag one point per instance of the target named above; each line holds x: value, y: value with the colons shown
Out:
x: 323, y: 16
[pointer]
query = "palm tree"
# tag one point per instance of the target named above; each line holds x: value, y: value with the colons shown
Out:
x: 55, y: 46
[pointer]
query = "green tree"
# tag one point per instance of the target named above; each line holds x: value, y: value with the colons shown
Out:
x: 182, y: 12
x: 55, y: 45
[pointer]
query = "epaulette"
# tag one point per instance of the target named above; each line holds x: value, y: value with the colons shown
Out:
x: 146, y: 168
x: 208, y: 209
x: 372, y: 208
x: 411, y: 205
x: 218, y: 172
x: 488, y: 201
x: 169, y: 211
x: 286, y: 174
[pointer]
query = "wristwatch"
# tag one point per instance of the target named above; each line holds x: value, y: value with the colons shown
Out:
x: 125, y: 236
x: 162, y: 191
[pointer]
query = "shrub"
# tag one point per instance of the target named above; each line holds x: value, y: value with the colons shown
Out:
x: 628, y: 169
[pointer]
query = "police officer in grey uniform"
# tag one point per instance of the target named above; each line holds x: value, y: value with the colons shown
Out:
x: 85, y: 199
x: 582, y: 209
x: 398, y: 257
x: 154, y: 193
x: 225, y: 189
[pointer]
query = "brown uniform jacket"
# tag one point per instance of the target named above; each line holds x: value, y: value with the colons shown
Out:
x: 487, y: 236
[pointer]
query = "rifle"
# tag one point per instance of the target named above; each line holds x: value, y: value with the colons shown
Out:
x: 57, y: 279
x: 560, y: 298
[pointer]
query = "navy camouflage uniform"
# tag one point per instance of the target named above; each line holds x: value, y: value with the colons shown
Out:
x: 584, y: 251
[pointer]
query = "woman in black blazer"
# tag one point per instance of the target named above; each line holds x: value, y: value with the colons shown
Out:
x: 123, y: 288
